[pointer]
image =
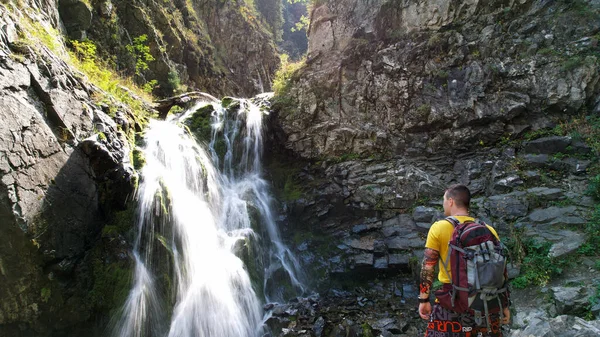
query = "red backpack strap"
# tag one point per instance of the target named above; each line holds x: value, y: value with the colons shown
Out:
x: 455, y: 223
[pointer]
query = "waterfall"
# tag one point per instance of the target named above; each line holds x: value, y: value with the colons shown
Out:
x: 207, y: 250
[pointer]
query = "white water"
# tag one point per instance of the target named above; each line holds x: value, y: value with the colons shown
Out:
x: 193, y: 220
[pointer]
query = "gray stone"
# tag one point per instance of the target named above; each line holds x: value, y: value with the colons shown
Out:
x: 404, y: 243
x: 507, y: 184
x: 398, y: 260
x: 424, y: 214
x: 364, y: 243
x: 365, y: 259
x: 569, y: 221
x: 507, y: 206
x: 76, y: 15
x: 570, y: 300
x: 547, y: 194
x: 563, y: 326
x: 568, y: 245
x: 536, y: 160
x: 381, y: 262
x: 548, y: 214
x: 547, y: 145
x: 318, y: 327
x: 423, y: 227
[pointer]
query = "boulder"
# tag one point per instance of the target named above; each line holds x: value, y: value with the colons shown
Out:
x: 570, y: 300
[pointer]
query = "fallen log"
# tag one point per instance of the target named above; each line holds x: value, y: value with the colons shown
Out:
x: 163, y: 106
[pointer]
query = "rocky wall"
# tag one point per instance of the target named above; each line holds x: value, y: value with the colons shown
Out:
x: 438, y: 77
x: 64, y: 170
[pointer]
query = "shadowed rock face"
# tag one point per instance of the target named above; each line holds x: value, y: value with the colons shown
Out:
x: 64, y: 164
x: 428, y: 77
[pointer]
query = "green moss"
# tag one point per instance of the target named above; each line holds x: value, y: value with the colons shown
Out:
x: 367, y: 330
x: 292, y: 190
x: 199, y: 123
x: 120, y: 222
x: 139, y: 160
x: 572, y: 63
x: 424, y: 110
x: 45, y: 294
x: 112, y: 282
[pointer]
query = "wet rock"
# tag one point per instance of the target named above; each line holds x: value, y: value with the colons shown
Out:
x: 318, y: 327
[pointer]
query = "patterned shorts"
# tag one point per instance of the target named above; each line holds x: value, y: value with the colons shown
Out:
x: 444, y: 323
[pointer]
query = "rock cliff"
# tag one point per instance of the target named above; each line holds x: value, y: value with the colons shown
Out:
x: 434, y: 76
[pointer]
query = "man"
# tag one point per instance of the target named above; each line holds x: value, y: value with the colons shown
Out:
x: 443, y: 322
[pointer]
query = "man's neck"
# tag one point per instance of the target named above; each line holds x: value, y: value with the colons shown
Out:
x: 460, y: 212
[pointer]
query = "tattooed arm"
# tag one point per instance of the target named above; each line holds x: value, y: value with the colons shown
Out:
x: 427, y: 273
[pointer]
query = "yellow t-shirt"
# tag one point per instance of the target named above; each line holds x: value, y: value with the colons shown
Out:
x: 438, y: 238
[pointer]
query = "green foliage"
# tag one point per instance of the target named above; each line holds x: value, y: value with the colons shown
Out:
x: 594, y: 187
x: 535, y: 134
x: 149, y: 86
x: 173, y: 81
x: 302, y: 24
x: 572, y: 63
x: 593, y: 300
x: 45, y: 294
x: 367, y: 330
x: 83, y: 57
x: 537, y: 267
x: 592, y: 245
x: 287, y: 70
x: 141, y: 52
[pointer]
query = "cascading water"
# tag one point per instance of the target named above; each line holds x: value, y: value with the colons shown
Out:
x: 200, y: 218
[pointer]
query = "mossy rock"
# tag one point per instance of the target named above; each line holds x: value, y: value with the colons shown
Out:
x: 199, y: 123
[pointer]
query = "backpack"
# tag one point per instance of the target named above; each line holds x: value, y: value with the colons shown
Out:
x: 479, y: 282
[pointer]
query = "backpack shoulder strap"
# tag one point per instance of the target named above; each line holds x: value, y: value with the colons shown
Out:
x: 452, y: 220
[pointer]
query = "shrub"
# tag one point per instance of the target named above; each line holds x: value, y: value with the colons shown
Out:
x: 141, y: 52
x: 537, y: 267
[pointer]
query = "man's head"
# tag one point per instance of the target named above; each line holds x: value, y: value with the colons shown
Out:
x: 456, y: 200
